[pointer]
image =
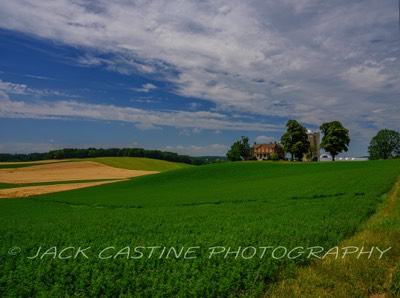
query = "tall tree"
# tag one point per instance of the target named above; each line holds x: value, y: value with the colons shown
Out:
x: 335, y: 139
x: 385, y: 144
x: 240, y: 150
x: 295, y: 140
x: 311, y: 154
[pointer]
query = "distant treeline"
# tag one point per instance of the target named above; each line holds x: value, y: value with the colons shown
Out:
x: 112, y: 152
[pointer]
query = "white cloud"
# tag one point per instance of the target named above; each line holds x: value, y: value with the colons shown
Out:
x: 146, y: 88
x: 194, y: 105
x: 370, y: 76
x: 190, y: 132
x: 13, y: 88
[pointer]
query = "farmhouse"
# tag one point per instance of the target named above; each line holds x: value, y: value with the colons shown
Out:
x: 265, y: 151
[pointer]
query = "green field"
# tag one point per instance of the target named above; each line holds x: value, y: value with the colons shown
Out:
x: 239, y: 207
x: 138, y: 163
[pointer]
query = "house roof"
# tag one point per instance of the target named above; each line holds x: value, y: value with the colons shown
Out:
x: 270, y: 145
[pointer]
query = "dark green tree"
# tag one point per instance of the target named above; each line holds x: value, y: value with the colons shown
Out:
x: 311, y: 154
x: 385, y: 144
x: 335, y: 139
x: 274, y: 157
x: 295, y: 140
x: 240, y: 150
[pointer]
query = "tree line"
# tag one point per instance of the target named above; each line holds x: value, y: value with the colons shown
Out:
x: 67, y: 153
x: 385, y: 144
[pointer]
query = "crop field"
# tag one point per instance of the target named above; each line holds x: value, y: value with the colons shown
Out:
x: 34, y: 178
x: 221, y: 230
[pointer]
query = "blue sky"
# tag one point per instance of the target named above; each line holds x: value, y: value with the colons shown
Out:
x: 194, y: 76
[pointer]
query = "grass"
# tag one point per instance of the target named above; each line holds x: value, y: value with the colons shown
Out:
x: 233, y: 206
x: 239, y: 182
x: 353, y: 276
x: 138, y: 163
x: 7, y: 185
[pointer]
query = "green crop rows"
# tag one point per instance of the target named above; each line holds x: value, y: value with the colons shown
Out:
x: 122, y: 229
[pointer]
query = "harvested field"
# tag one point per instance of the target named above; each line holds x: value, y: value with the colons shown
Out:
x: 67, y: 171
x: 61, y: 171
x: 27, y: 191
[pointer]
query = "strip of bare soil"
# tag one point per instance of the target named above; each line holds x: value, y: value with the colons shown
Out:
x: 67, y: 171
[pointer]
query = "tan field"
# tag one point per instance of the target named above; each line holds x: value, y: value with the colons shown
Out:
x: 26, y: 191
x: 61, y: 171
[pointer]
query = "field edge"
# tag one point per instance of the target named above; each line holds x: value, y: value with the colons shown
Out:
x: 353, y: 276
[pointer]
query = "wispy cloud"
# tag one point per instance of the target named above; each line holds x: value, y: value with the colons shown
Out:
x: 146, y: 88
x: 39, y: 77
x: 190, y: 132
x: 144, y: 119
x: 22, y: 89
